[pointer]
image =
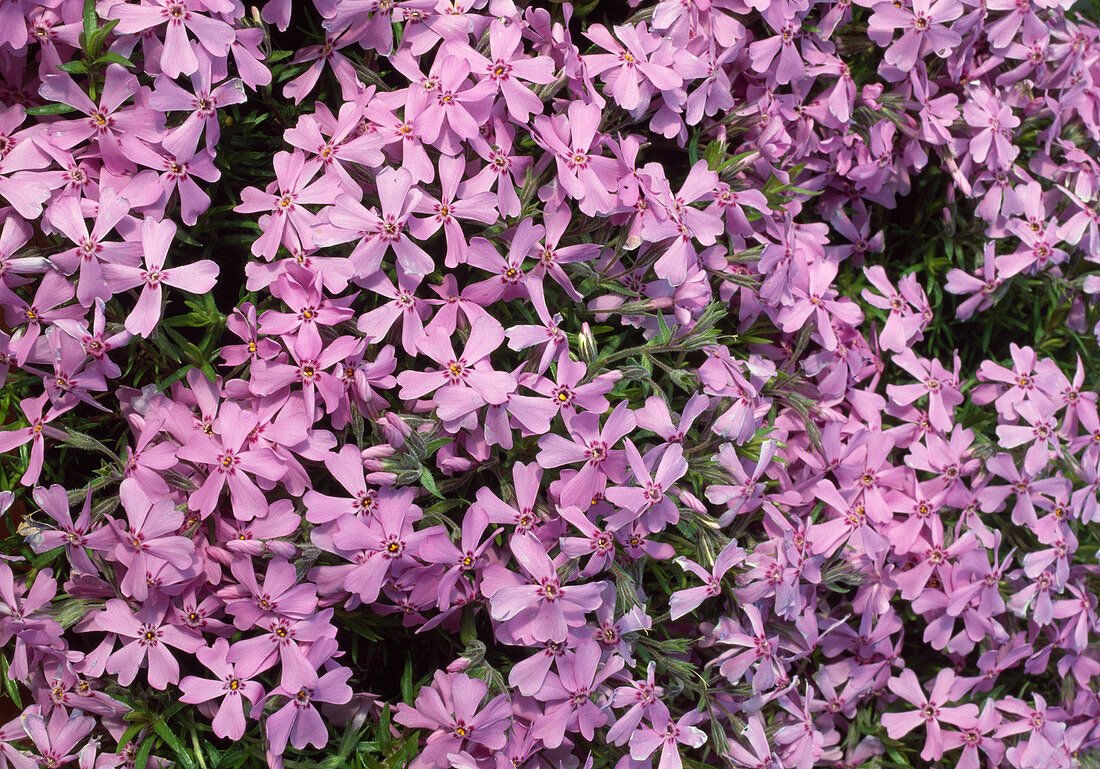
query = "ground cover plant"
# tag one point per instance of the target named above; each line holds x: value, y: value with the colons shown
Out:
x: 480, y: 384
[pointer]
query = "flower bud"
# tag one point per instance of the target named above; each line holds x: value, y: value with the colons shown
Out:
x: 586, y: 344
x: 691, y: 502
x: 395, y: 429
x: 459, y: 665
x: 373, y: 456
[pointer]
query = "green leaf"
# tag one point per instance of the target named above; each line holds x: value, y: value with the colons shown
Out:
x: 428, y: 482
x: 693, y: 148
x: 407, y: 693
x: 10, y: 686
x: 101, y: 34
x: 665, y: 336
x: 113, y: 58
x: 74, y: 67
x: 384, y: 736
x: 174, y: 377
x: 51, y: 109
x: 143, y: 754
x: 91, y: 21
x: 46, y: 558
x: 133, y: 730
x: 174, y: 742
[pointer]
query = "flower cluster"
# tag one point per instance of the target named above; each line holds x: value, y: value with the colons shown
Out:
x: 567, y: 355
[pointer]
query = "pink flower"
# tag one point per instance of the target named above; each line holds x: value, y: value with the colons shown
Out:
x: 645, y: 742
x: 150, y: 638
x: 288, y: 222
x: 636, y: 68
x: 506, y: 67
x: 940, y: 385
x: 230, y: 463
x: 452, y: 708
x: 298, y: 721
x: 568, y: 694
x: 196, y: 278
x: 149, y: 539
x: 92, y: 252
x: 379, y: 233
x: 177, y: 56
x: 992, y: 121
x: 251, y: 604
x: 35, y: 433
x: 923, y: 30
x: 232, y: 685
x: 469, y: 375
x: 543, y: 609
x: 593, y: 445
x: 201, y: 105
x: 685, y: 601
x: 56, y: 739
x: 118, y: 131
x: 573, y: 138
x: 931, y: 709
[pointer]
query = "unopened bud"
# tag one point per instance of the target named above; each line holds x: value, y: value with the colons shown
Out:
x: 459, y: 665
x: 586, y: 344
x: 382, y: 479
x: 395, y: 429
x: 69, y: 612
x: 451, y: 465
x: 691, y: 502
x: 373, y: 456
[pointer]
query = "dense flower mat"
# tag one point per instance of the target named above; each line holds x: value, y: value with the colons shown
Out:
x: 454, y: 383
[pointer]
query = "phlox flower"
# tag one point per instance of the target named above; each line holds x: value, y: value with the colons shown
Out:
x: 573, y: 138
x: 451, y: 111
x: 452, y: 707
x: 298, y: 721
x: 232, y: 684
x: 118, y: 131
x: 648, y: 499
x: 465, y: 558
x: 35, y: 433
x: 150, y: 636
x: 646, y: 741
x: 46, y: 307
x: 178, y: 57
x: 753, y: 648
x: 230, y: 461
x: 507, y: 68
x: 156, y: 237
x: 593, y: 445
x: 931, y: 709
x: 56, y: 738
x: 542, y: 609
x: 23, y: 617
x: 456, y: 201
x: 91, y: 250
x: 346, y: 146
x: 251, y: 604
x: 378, y: 233
x: 940, y: 385
x: 468, y: 376
x: 72, y: 535
x: 923, y: 30
x: 386, y: 541
x: 286, y: 221
x: 568, y: 694
x: 149, y: 538
x: 201, y: 104
x: 635, y: 68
